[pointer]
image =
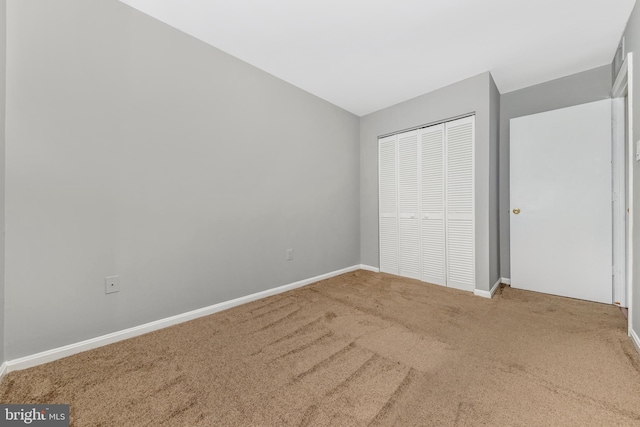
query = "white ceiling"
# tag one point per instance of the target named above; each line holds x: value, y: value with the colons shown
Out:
x: 364, y: 55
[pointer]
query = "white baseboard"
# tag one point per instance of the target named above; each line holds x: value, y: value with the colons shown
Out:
x: 635, y: 338
x: 369, y: 268
x: 505, y: 280
x: 3, y: 370
x: 68, y: 350
x: 489, y: 294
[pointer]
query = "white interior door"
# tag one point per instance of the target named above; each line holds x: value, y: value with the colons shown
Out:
x: 561, y: 232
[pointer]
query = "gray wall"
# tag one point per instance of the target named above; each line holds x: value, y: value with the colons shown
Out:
x: 3, y: 98
x: 135, y: 150
x: 632, y: 42
x: 580, y: 88
x: 468, y: 96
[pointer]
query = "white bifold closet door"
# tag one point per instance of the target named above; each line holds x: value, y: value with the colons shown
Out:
x: 459, y: 204
x: 433, y: 235
x: 426, y: 204
x: 388, y: 204
x: 408, y: 205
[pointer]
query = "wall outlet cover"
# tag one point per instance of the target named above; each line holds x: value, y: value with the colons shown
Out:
x: 111, y: 284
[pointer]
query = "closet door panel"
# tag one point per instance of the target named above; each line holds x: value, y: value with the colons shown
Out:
x: 388, y: 204
x: 409, y: 204
x: 460, y: 254
x: 461, y: 266
x: 409, y: 248
x: 432, y: 204
x: 433, y: 254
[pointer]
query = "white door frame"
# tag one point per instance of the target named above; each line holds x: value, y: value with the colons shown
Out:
x: 618, y: 196
x: 623, y: 87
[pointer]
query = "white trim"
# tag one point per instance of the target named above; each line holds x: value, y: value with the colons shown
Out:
x: 68, y: 350
x: 635, y: 339
x: 619, y: 86
x: 505, y: 280
x: 369, y: 268
x: 3, y: 370
x: 629, y: 70
x: 618, y: 199
x: 488, y: 294
x: 623, y: 85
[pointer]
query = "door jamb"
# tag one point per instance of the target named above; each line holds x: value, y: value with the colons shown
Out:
x: 623, y: 86
x: 618, y: 197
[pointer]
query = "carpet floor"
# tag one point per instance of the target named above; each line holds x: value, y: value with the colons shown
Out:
x: 359, y: 349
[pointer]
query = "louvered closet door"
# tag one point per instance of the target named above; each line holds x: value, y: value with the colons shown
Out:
x: 459, y: 204
x: 388, y: 204
x: 432, y: 192
x: 409, y: 204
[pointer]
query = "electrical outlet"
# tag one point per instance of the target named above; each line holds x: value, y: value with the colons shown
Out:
x: 111, y: 284
x: 289, y: 255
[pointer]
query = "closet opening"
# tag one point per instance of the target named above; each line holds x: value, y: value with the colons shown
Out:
x: 426, y: 203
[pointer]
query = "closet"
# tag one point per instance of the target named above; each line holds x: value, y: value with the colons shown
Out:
x: 426, y: 204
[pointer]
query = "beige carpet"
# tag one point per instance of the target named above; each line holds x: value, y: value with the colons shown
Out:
x: 359, y: 349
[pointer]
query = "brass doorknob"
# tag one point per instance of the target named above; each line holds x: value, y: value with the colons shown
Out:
x: 516, y: 211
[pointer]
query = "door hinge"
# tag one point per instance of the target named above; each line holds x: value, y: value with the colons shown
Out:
x: 614, y: 196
